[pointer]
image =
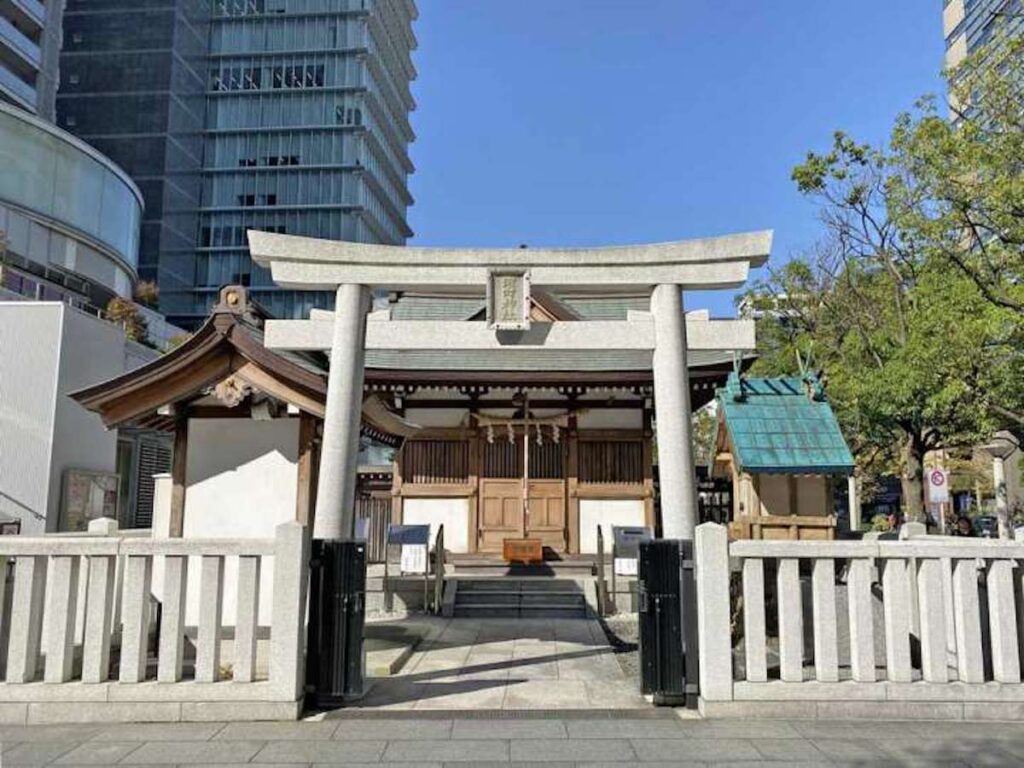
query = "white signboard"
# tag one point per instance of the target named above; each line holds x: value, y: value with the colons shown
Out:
x: 938, y: 486
x: 625, y: 566
x: 414, y: 558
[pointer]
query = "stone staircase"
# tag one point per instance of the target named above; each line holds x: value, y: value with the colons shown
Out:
x: 519, y: 597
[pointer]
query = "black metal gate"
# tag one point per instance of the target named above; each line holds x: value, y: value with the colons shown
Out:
x: 667, y: 596
x: 337, y: 614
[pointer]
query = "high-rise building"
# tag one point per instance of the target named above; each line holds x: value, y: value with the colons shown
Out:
x: 307, y: 133
x: 305, y: 128
x: 969, y: 24
x: 133, y: 86
x: 30, y: 36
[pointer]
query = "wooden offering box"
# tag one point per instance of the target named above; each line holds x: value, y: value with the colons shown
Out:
x: 523, y: 550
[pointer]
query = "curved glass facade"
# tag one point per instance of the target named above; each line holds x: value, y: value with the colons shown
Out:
x: 50, y: 174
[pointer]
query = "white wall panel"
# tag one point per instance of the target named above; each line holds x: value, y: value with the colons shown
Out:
x: 452, y: 513
x: 241, y: 478
x: 606, y: 513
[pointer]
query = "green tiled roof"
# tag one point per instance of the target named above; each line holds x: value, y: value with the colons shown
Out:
x: 776, y: 427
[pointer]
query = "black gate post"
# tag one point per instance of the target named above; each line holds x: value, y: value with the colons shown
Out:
x: 337, y: 615
x: 667, y: 622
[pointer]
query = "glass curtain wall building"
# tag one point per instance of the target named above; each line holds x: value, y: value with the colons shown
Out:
x: 969, y: 24
x: 307, y: 133
x: 30, y: 35
x: 283, y: 115
x: 133, y: 86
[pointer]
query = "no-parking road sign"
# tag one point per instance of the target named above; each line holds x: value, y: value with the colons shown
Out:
x: 938, y: 486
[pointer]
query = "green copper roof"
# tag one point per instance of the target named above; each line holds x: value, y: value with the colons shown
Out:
x: 776, y: 427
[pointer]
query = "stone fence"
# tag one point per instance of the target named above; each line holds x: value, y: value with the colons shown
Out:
x: 926, y: 627
x: 127, y: 654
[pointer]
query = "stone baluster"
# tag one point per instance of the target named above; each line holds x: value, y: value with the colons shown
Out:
x: 172, y: 619
x: 26, y: 618
x: 754, y: 635
x: 99, y: 609
x: 791, y: 621
x: 138, y: 579
x: 823, y: 597
x: 211, y: 604
x: 247, y: 618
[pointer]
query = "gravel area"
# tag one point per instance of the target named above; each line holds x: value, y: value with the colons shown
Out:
x: 623, y: 633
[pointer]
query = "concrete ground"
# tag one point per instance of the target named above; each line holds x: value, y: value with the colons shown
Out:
x: 507, y: 664
x: 590, y: 739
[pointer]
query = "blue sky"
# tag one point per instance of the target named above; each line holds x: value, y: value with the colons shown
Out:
x: 591, y: 122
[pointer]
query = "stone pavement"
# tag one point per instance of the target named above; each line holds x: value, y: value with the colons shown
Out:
x: 504, y: 664
x: 587, y: 739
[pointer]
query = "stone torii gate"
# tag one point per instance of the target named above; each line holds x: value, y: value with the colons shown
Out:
x: 353, y: 270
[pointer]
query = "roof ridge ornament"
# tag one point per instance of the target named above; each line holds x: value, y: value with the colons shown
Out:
x: 235, y: 300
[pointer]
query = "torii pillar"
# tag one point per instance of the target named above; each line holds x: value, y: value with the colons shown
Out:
x: 339, y: 451
x: 672, y: 413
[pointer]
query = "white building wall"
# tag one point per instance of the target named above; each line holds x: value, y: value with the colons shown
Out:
x: 91, y: 351
x: 29, y: 364
x: 47, y: 350
x: 240, y: 482
x: 606, y: 513
x: 452, y: 513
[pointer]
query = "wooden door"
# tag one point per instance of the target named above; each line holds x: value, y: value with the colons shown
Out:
x: 501, y: 513
x: 545, y: 517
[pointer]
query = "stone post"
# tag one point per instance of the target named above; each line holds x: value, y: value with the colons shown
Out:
x: 711, y: 563
x: 999, y: 485
x: 672, y: 412
x: 335, y: 514
x: 851, y: 485
x: 288, y: 623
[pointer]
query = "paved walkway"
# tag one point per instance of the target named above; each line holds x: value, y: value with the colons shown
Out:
x: 503, y: 664
x: 583, y: 742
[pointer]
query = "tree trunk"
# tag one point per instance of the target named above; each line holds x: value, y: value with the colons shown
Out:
x: 912, y: 480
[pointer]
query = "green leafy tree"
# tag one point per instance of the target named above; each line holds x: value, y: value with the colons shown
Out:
x: 913, y: 353
x: 959, y: 190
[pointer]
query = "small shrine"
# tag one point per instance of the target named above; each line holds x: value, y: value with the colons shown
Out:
x: 778, y: 441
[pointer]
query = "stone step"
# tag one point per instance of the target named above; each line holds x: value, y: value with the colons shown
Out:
x: 533, y: 611
x: 519, y: 598
x: 522, y: 585
x: 573, y: 599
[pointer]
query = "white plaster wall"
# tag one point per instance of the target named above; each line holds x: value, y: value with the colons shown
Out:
x: 29, y: 360
x: 91, y: 351
x: 611, y: 418
x: 435, y: 417
x: 452, y: 513
x: 606, y: 513
x: 47, y: 350
x: 241, y: 478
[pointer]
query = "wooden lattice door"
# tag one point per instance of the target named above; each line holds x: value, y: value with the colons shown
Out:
x: 502, y: 515
x: 546, y: 508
